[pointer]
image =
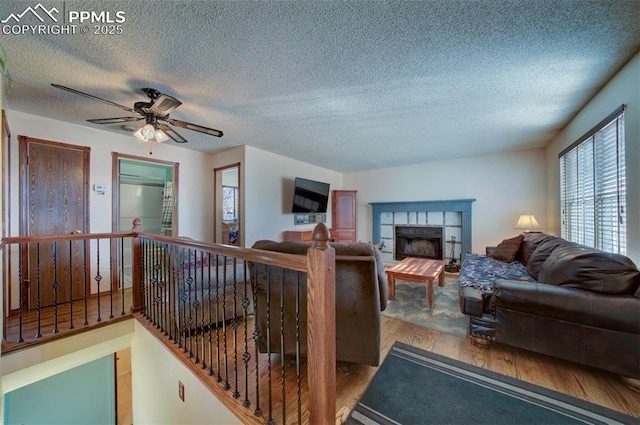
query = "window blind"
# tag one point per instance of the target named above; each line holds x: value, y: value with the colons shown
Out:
x: 593, y: 187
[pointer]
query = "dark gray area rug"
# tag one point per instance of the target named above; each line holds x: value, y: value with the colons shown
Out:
x: 413, y: 386
x: 410, y: 305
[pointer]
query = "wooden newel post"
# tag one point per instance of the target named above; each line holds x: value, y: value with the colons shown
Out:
x: 136, y: 267
x: 321, y: 328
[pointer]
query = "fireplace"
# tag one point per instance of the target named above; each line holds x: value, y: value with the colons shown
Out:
x: 418, y: 241
x: 453, y: 216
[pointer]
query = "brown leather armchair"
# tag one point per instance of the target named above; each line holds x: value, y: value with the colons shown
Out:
x: 361, y: 294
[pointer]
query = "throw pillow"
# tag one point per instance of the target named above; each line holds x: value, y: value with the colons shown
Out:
x: 540, y: 255
x: 507, y: 249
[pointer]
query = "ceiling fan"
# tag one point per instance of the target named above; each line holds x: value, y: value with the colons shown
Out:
x: 156, y: 116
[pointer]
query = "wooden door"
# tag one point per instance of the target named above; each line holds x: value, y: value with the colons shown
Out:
x: 343, y: 218
x: 54, y: 193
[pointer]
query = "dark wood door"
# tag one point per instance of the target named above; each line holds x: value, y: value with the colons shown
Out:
x: 343, y: 218
x: 54, y: 201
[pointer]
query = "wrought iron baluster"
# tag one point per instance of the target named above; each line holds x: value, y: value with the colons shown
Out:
x: 298, y: 384
x: 166, y: 288
x: 226, y: 385
x: 155, y: 284
x: 282, y: 346
x: 111, y: 281
x: 38, y: 306
x: 85, y: 283
x: 121, y: 271
x: 182, y: 310
x: 234, y: 325
x: 245, y: 355
x: 143, y: 276
x: 204, y: 302
x: 150, y: 282
x: 55, y: 284
x: 98, y: 277
x: 173, y: 294
x: 196, y: 304
x: 146, y: 278
x: 218, y: 378
x: 256, y: 337
x: 190, y: 320
x: 210, y: 325
x: 20, y: 303
x: 269, y: 398
x: 157, y: 298
x: 70, y: 284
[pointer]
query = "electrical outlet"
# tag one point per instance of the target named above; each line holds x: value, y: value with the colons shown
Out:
x: 181, y: 390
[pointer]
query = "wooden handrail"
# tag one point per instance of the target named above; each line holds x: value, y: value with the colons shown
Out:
x: 319, y: 264
x: 272, y: 258
x: 71, y: 237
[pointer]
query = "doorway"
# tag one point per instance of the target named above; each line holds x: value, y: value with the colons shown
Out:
x: 228, y: 205
x: 54, y: 200
x: 145, y: 189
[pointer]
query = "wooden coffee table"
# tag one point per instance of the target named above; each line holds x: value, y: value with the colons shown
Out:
x: 421, y: 270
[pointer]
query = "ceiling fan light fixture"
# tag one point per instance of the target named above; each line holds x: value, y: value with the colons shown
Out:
x: 139, y: 135
x: 150, y: 132
x: 146, y: 132
x: 161, y: 136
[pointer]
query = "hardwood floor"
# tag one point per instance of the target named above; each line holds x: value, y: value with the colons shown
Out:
x: 589, y: 384
x: 100, y: 311
x: 585, y: 383
x: 125, y: 406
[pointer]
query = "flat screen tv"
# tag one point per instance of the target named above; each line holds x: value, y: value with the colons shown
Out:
x: 310, y: 196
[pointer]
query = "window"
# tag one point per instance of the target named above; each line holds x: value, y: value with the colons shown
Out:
x: 593, y: 189
x: 229, y: 203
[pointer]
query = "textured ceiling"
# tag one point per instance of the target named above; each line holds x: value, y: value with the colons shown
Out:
x: 346, y: 85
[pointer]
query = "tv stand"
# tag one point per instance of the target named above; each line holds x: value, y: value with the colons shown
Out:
x: 298, y: 235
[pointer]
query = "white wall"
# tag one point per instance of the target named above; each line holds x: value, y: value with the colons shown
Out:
x: 268, y: 191
x: 623, y: 88
x: 33, y: 364
x: 143, y: 202
x: 155, y: 395
x: 195, y: 208
x: 504, y: 186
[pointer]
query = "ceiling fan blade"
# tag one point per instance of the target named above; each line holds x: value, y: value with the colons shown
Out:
x: 114, y: 120
x: 172, y: 133
x: 195, y: 127
x: 90, y: 96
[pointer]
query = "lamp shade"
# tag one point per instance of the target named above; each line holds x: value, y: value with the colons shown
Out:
x: 528, y: 222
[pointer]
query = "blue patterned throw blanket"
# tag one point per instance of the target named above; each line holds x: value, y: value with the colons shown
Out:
x: 479, y: 271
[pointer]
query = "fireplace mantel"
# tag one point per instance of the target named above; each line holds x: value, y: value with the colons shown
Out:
x: 454, y: 205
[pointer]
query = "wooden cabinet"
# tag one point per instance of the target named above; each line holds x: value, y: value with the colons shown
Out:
x: 343, y: 216
x: 298, y: 235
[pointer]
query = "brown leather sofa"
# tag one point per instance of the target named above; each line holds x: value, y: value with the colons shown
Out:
x: 207, y: 293
x: 583, y: 306
x: 361, y: 294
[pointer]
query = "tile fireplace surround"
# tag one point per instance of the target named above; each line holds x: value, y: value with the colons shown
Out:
x: 454, y: 216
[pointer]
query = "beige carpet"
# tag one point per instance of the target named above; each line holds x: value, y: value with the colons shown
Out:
x: 410, y: 305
